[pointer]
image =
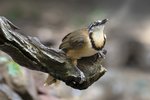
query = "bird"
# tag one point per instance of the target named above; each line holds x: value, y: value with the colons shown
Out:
x: 84, y: 42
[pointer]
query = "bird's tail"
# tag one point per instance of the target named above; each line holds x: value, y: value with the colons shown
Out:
x: 51, y: 80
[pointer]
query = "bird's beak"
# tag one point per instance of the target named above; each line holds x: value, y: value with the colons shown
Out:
x: 104, y: 21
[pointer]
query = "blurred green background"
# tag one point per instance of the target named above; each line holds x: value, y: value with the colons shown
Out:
x: 128, y: 46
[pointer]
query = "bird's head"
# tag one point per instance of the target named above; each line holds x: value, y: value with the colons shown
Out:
x: 97, y: 26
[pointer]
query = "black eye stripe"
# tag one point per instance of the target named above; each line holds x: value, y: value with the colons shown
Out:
x: 90, y: 27
x: 94, y: 24
x: 97, y: 23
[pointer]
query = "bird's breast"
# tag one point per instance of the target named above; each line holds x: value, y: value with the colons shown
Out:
x: 85, y: 51
x: 97, y: 40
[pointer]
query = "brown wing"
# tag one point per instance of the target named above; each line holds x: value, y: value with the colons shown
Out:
x: 74, y: 40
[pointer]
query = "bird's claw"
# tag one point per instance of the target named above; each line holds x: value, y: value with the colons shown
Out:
x: 102, y: 53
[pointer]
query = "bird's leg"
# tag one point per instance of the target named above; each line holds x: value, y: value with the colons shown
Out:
x: 102, y: 53
x: 81, y: 73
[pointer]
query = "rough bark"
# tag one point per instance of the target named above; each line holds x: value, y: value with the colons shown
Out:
x: 29, y: 52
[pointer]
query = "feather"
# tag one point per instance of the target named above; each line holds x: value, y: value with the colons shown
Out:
x: 74, y: 40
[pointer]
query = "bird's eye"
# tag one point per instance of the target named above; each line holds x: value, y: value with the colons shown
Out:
x: 97, y: 24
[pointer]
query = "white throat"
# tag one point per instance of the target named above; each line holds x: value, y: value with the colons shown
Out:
x: 98, y: 36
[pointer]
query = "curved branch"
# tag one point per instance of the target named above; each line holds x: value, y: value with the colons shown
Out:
x: 29, y: 52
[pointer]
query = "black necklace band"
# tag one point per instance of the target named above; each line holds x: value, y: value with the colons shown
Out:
x: 93, y: 43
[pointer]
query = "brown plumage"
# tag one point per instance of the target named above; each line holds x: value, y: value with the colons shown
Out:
x: 84, y: 42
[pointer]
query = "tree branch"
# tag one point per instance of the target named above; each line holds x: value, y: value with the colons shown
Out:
x: 30, y: 53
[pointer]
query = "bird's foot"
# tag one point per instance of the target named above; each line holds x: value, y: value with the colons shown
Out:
x: 102, y: 53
